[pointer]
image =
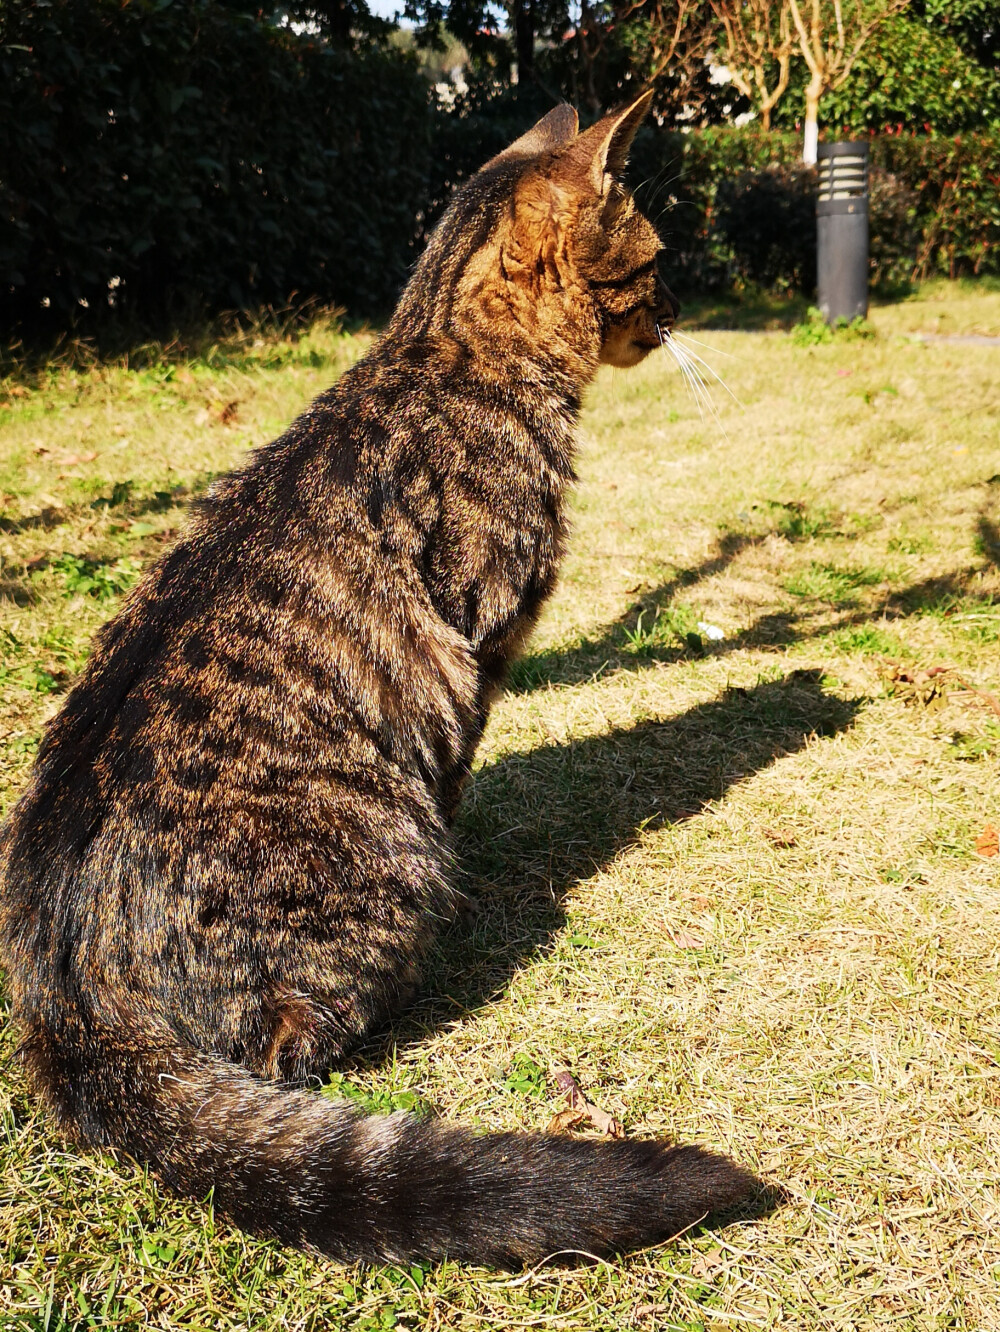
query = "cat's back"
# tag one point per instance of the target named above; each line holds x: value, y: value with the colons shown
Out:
x: 291, y: 618
x: 324, y: 622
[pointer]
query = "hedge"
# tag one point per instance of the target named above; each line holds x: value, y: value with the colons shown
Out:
x: 169, y: 159
x: 739, y: 206
x: 159, y: 159
x: 952, y: 187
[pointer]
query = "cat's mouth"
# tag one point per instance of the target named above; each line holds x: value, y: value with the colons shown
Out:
x: 659, y: 330
x: 666, y: 316
x: 644, y: 331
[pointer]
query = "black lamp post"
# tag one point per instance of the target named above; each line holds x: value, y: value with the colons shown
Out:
x: 842, y: 231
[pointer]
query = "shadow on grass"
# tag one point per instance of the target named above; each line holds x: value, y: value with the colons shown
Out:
x: 609, y: 648
x: 19, y: 588
x: 748, y: 312
x: 120, y: 500
x: 614, y: 646
x: 987, y: 524
x: 535, y: 824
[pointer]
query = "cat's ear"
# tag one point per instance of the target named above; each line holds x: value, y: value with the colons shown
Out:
x: 602, y: 150
x: 552, y: 131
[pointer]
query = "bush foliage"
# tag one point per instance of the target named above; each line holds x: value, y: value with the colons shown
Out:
x: 156, y: 156
x: 167, y: 159
x: 735, y: 205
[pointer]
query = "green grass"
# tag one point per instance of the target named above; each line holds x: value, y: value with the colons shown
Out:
x: 732, y: 882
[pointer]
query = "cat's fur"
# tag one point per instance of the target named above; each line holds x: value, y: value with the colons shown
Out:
x: 233, y: 852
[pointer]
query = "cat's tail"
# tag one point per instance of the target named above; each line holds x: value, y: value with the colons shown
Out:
x: 312, y: 1172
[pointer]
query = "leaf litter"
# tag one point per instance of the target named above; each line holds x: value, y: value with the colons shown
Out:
x: 580, y: 1112
x: 926, y: 686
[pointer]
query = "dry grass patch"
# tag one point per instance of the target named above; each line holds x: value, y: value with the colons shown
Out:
x: 733, y: 882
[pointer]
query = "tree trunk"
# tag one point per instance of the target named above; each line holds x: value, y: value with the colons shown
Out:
x: 587, y: 57
x: 337, y: 17
x: 524, y: 38
x: 811, y: 138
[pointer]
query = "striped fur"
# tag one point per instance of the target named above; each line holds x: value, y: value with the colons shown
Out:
x: 233, y: 851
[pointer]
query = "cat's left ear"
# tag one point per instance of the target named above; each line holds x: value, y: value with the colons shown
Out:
x: 552, y: 131
x: 602, y: 150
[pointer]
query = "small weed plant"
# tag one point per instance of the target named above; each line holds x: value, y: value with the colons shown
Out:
x: 82, y: 577
x: 816, y: 331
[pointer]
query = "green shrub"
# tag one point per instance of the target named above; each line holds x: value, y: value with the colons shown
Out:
x: 678, y: 179
x: 815, y: 330
x: 164, y: 160
x: 160, y: 158
x: 735, y: 205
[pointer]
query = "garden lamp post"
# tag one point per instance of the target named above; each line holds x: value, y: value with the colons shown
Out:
x: 842, y: 231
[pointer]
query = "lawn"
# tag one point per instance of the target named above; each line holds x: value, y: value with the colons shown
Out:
x: 724, y: 832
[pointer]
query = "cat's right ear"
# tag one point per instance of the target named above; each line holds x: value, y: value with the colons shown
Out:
x: 552, y: 131
x: 601, y: 152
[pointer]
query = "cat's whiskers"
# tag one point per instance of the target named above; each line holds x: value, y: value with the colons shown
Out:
x: 710, y: 369
x: 686, y: 337
x: 685, y: 369
x: 686, y: 362
x: 699, y: 384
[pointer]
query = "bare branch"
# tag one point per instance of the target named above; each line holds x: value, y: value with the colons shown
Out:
x: 758, y: 36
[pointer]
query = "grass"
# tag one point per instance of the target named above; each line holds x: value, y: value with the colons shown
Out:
x: 731, y: 881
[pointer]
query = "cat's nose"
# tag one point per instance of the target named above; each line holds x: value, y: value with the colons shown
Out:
x: 668, y: 307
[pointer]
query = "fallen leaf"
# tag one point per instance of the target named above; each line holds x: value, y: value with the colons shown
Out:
x: 844, y: 374
x: 988, y: 842
x: 41, y: 449
x: 229, y: 413
x: 686, y: 939
x: 644, y: 1311
x: 74, y: 459
x: 565, y: 1120
x: 780, y: 836
x: 577, y: 1104
x: 924, y: 686
x: 708, y: 1264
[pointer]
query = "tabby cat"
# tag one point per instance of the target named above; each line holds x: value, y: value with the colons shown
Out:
x: 233, y: 852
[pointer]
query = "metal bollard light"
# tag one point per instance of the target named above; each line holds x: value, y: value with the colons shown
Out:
x: 842, y: 231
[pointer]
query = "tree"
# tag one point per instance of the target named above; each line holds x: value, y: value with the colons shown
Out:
x: 759, y: 49
x: 973, y: 24
x: 914, y: 72
x: 831, y: 36
x: 661, y: 44
x: 593, y: 52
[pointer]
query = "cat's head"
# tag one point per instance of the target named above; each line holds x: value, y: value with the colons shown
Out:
x: 546, y: 236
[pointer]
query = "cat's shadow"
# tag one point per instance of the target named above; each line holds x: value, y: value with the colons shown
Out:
x: 535, y: 824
